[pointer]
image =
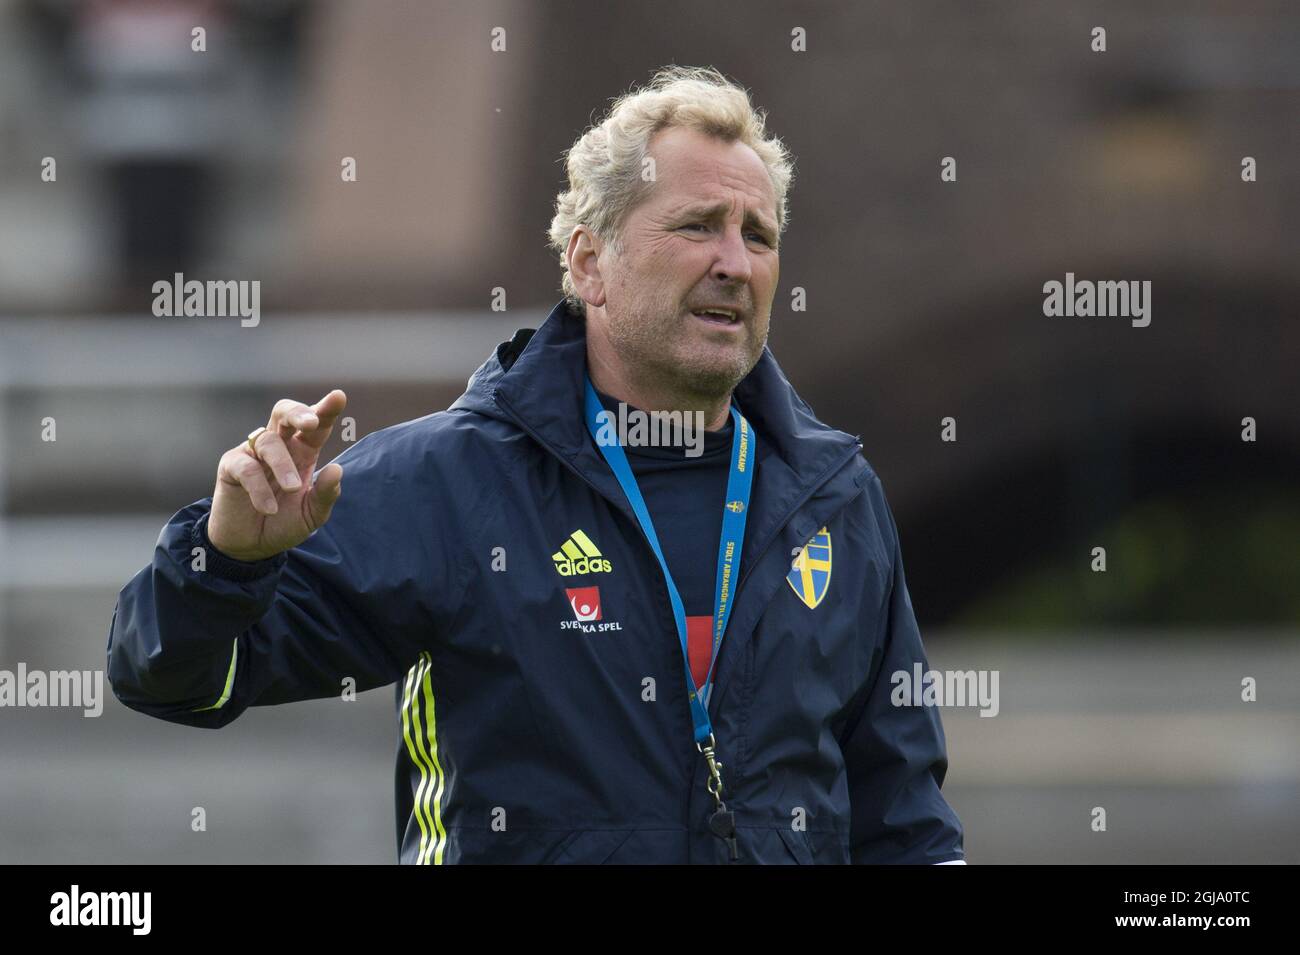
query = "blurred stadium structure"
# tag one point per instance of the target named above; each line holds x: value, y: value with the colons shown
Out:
x: 1119, y: 690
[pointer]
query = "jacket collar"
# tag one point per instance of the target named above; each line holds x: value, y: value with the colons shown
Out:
x: 536, y: 381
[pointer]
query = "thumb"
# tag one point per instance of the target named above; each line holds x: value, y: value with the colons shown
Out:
x: 325, y: 492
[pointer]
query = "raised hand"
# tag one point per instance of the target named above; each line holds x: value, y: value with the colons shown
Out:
x: 264, y: 502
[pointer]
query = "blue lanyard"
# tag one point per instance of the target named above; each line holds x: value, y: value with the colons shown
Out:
x: 734, y: 513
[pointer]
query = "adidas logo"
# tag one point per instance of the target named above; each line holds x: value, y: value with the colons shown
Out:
x: 578, y: 555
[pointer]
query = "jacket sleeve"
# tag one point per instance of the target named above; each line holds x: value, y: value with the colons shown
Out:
x: 197, y: 637
x: 896, y: 756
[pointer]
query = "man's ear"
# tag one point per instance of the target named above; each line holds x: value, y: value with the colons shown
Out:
x: 583, y: 255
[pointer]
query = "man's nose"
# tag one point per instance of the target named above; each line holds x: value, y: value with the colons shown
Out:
x: 732, y: 261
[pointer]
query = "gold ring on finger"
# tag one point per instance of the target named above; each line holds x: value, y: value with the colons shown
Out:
x: 252, y: 440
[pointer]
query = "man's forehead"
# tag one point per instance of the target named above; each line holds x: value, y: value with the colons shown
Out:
x: 694, y: 168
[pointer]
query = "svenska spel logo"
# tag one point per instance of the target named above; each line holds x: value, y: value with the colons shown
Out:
x: 588, y: 614
x: 585, y: 602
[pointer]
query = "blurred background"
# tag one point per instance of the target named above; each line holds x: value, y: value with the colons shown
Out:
x: 1119, y: 689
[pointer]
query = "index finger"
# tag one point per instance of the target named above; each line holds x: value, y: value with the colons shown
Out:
x: 289, y: 416
x: 326, y: 411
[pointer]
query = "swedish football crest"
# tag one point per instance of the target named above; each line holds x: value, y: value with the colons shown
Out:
x: 810, y: 572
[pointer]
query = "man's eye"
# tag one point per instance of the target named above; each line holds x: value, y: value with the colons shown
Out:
x: 700, y: 225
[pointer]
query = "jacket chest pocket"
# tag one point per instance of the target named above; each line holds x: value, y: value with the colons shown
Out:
x: 816, y: 634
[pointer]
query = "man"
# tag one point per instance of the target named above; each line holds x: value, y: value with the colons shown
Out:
x: 603, y: 653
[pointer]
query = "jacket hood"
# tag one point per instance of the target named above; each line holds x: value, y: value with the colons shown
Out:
x: 535, y: 380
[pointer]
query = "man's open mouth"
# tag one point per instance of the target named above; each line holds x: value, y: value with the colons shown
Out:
x: 724, y: 317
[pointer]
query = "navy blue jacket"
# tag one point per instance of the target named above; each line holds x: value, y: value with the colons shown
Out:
x: 538, y: 727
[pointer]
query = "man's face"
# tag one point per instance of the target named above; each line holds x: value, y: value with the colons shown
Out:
x: 705, y: 238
